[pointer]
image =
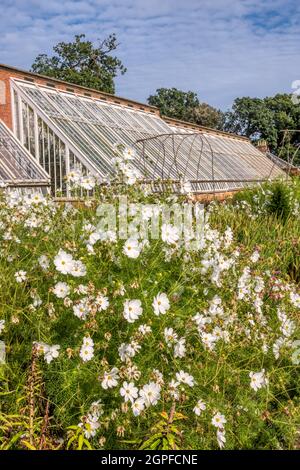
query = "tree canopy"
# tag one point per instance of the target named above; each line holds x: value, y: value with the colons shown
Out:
x: 81, y: 63
x: 185, y: 106
x: 267, y: 119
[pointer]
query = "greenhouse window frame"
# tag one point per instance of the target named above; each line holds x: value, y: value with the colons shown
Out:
x: 40, y: 113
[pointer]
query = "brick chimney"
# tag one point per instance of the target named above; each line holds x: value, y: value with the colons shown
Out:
x: 262, y: 146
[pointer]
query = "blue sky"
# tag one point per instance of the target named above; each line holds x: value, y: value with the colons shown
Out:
x: 220, y: 49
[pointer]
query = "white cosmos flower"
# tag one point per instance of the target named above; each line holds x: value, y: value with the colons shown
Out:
x: 44, y: 262
x: 81, y: 289
x: 295, y: 299
x: 129, y: 391
x: 173, y: 389
x: 77, y: 269
x: 102, y: 302
x: 200, y: 406
x: 88, y: 342
x: 2, y: 325
x: 179, y: 348
x: 96, y: 408
x: 201, y: 320
x: 161, y: 304
x: 150, y: 393
x: 144, y: 329
x: 287, y: 327
x: 147, y: 212
x: 128, y: 350
x: 221, y: 438
x: 255, y: 256
x: 86, y: 353
x: 110, y: 379
x: 296, y: 352
x: 63, y: 262
x: 228, y: 237
x: 125, y: 351
x: 132, y: 248
x: 87, y: 349
x: 218, y: 420
x: 81, y: 310
x: 138, y: 406
x: 61, y: 290
x: 185, y: 378
x: 131, y: 174
x: 129, y: 153
x: 50, y: 352
x: 208, y: 339
x: 132, y: 310
x: 90, y: 425
x: 170, y: 336
x: 87, y: 182
x: 279, y: 344
x: 20, y: 276
x: 258, y: 380
x: 74, y: 175
x: 169, y: 234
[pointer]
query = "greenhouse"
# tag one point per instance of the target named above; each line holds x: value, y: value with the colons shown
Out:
x: 66, y: 128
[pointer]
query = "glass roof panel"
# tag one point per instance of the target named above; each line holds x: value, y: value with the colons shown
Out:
x: 15, y: 162
x: 163, y: 151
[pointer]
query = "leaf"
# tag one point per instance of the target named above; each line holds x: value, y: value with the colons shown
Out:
x: 70, y: 441
x: 179, y: 416
x: 28, y: 445
x: 149, y: 441
x: 88, y: 445
x: 14, y: 439
x: 165, y: 444
x: 80, y: 442
x: 171, y: 440
x: 155, y: 445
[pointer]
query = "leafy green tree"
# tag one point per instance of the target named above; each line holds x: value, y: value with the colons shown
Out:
x: 81, y: 63
x: 185, y: 106
x: 267, y: 119
x: 206, y: 115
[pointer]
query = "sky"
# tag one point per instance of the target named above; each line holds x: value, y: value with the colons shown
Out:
x: 220, y: 49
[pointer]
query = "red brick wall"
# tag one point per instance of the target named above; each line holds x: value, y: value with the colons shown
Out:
x: 5, y: 109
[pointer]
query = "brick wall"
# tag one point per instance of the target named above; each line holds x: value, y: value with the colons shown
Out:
x: 205, y: 198
x: 5, y: 98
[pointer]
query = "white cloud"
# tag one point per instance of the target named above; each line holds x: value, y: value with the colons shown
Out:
x: 221, y: 49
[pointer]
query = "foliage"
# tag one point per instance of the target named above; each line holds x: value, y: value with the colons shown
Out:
x: 77, y: 440
x: 165, y: 434
x: 185, y: 106
x: 81, y: 63
x: 267, y: 118
x: 279, y: 198
x: 213, y: 330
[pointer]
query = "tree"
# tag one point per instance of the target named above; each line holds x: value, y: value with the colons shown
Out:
x: 267, y: 119
x: 185, y: 106
x: 81, y: 63
x: 206, y: 115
